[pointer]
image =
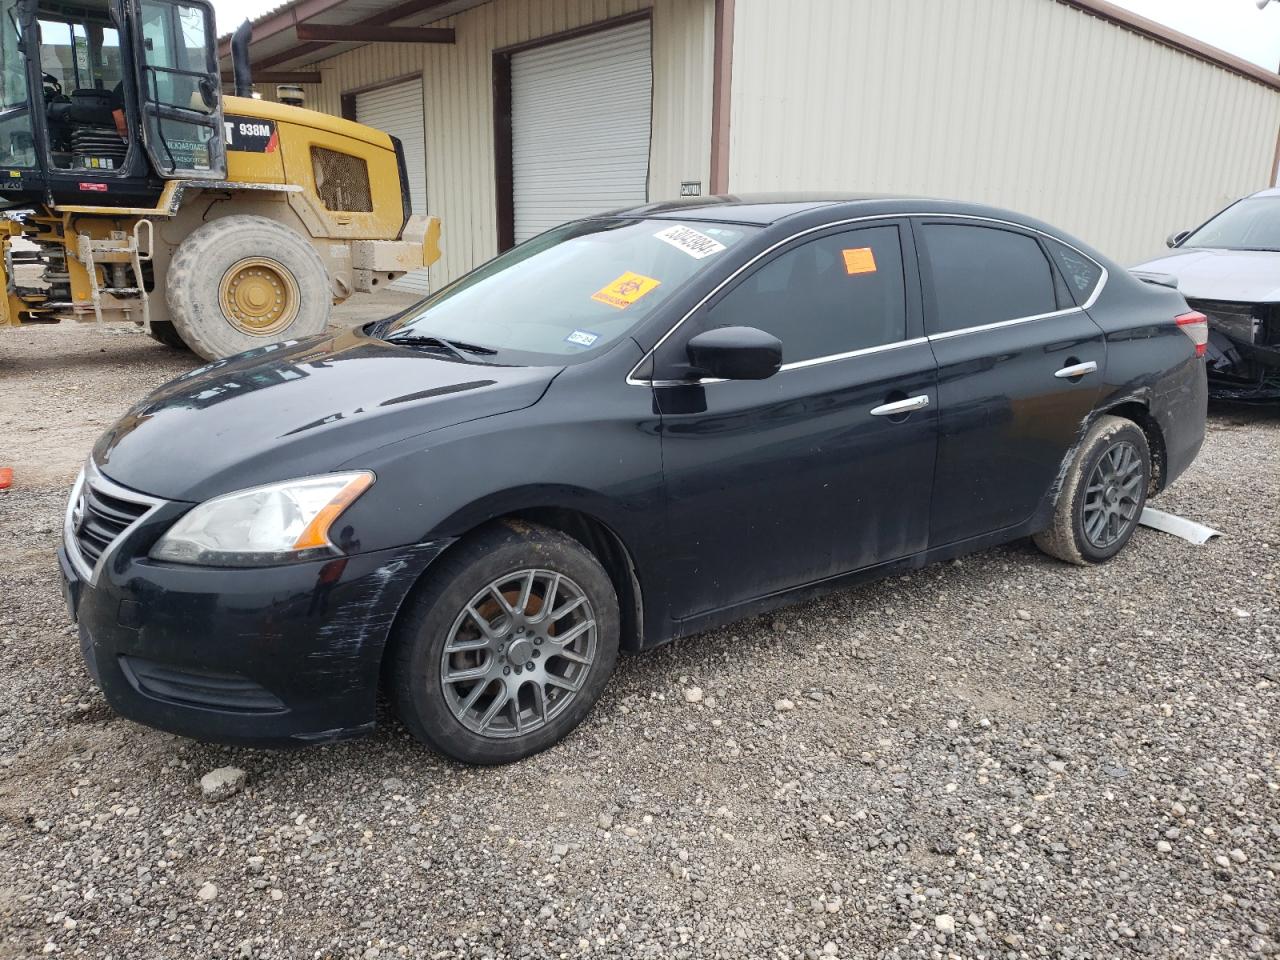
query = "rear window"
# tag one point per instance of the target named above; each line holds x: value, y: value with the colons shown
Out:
x: 985, y: 275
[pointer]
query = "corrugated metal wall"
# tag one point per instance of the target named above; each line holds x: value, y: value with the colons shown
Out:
x: 1028, y: 104
x: 459, y: 103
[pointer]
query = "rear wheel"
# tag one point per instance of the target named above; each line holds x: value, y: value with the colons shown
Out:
x: 242, y: 282
x: 508, y: 645
x: 162, y: 331
x: 1102, y: 495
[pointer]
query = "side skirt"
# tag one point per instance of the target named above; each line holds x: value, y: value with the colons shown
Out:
x: 703, y: 622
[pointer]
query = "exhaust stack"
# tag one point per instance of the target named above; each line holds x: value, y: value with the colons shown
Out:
x: 240, y: 59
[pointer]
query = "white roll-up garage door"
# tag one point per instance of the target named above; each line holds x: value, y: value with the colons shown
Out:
x: 398, y: 110
x: 580, y: 113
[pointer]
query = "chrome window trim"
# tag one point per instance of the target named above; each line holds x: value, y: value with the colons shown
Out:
x: 862, y: 352
x: 633, y: 380
x: 948, y: 334
x: 798, y: 364
x: 90, y: 475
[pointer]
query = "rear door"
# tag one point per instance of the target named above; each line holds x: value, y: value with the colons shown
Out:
x: 1020, y: 367
x: 823, y: 468
x: 179, y: 87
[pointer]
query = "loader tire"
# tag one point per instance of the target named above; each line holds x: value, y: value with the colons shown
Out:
x: 162, y: 331
x: 243, y: 282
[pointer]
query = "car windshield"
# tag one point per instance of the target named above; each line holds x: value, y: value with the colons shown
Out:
x: 1250, y: 224
x: 569, y: 292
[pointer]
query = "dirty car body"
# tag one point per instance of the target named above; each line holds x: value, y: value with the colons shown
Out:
x: 1229, y: 270
x: 947, y: 361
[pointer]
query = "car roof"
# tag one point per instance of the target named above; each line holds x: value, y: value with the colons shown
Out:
x: 758, y: 209
x: 804, y: 210
x: 765, y: 209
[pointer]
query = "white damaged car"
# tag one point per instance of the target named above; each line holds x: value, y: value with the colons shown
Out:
x: 1229, y: 269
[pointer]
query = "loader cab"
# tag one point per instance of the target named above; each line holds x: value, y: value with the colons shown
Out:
x: 101, y: 101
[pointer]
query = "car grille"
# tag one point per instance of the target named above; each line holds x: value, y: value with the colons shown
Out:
x: 99, y: 513
x: 105, y: 518
x: 1238, y: 320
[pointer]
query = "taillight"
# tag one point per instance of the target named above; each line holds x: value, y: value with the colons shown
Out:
x: 1196, y: 326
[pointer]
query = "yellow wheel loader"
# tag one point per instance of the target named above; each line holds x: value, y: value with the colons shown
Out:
x: 134, y: 191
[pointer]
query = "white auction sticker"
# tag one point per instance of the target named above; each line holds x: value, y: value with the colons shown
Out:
x: 695, y: 244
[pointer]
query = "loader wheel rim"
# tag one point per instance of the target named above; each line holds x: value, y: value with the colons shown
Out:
x: 259, y: 296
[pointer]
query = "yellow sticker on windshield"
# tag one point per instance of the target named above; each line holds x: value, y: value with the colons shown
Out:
x: 859, y: 260
x: 625, y: 291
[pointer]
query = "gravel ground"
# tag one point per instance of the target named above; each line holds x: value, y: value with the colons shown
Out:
x: 999, y: 757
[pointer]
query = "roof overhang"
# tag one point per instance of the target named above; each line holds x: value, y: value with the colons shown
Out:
x: 292, y: 36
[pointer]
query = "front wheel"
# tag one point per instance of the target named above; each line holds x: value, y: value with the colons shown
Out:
x: 1102, y: 495
x: 507, y: 646
x: 241, y: 282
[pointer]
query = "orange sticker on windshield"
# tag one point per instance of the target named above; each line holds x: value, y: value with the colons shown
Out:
x: 859, y: 260
x: 625, y: 291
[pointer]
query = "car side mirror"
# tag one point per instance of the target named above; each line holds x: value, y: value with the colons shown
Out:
x: 735, y: 353
x: 1176, y: 238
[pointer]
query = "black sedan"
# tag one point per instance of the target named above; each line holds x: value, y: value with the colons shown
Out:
x: 630, y: 429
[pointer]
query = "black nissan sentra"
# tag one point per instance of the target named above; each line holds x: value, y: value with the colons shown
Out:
x: 629, y: 429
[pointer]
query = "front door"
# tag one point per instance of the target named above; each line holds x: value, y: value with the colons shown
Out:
x: 1006, y: 333
x: 824, y: 468
x: 176, y: 65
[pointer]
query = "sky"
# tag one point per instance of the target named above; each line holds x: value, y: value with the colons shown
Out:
x: 1236, y: 26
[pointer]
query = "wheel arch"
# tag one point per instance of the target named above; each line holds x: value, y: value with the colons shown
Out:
x: 598, y: 537
x: 1140, y: 413
x: 607, y: 545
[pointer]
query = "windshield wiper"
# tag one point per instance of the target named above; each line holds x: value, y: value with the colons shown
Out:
x: 455, y: 347
x: 472, y: 348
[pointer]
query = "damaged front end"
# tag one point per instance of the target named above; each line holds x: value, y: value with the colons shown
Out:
x: 1243, y: 354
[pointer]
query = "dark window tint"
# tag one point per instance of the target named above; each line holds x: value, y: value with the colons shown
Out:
x: 1081, y: 273
x: 985, y: 275
x: 838, y: 293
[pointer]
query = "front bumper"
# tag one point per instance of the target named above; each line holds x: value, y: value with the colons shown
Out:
x: 265, y: 656
x: 1242, y: 371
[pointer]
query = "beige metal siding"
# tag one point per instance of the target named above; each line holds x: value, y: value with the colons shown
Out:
x: 458, y: 81
x: 1028, y: 104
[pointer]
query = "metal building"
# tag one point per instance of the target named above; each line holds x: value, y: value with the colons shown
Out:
x: 519, y: 114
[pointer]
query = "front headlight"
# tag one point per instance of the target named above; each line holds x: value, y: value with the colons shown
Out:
x: 277, y: 523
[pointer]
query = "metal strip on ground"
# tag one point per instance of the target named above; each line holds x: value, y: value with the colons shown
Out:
x: 1187, y: 530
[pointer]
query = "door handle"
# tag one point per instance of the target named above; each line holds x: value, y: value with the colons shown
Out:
x: 900, y: 406
x: 1077, y: 370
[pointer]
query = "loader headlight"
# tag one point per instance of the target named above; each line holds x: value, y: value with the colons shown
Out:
x: 276, y: 523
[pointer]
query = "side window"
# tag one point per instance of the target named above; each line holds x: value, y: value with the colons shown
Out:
x: 1081, y: 273
x: 57, y: 54
x: 841, y: 292
x: 985, y: 275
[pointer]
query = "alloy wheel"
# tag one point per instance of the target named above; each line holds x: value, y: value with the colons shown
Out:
x: 519, y: 653
x: 1112, y: 495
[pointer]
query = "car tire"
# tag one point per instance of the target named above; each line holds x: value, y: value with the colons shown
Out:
x: 501, y: 691
x: 1102, y: 495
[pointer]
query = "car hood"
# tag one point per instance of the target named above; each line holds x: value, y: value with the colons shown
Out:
x: 1241, y: 276
x: 297, y: 409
